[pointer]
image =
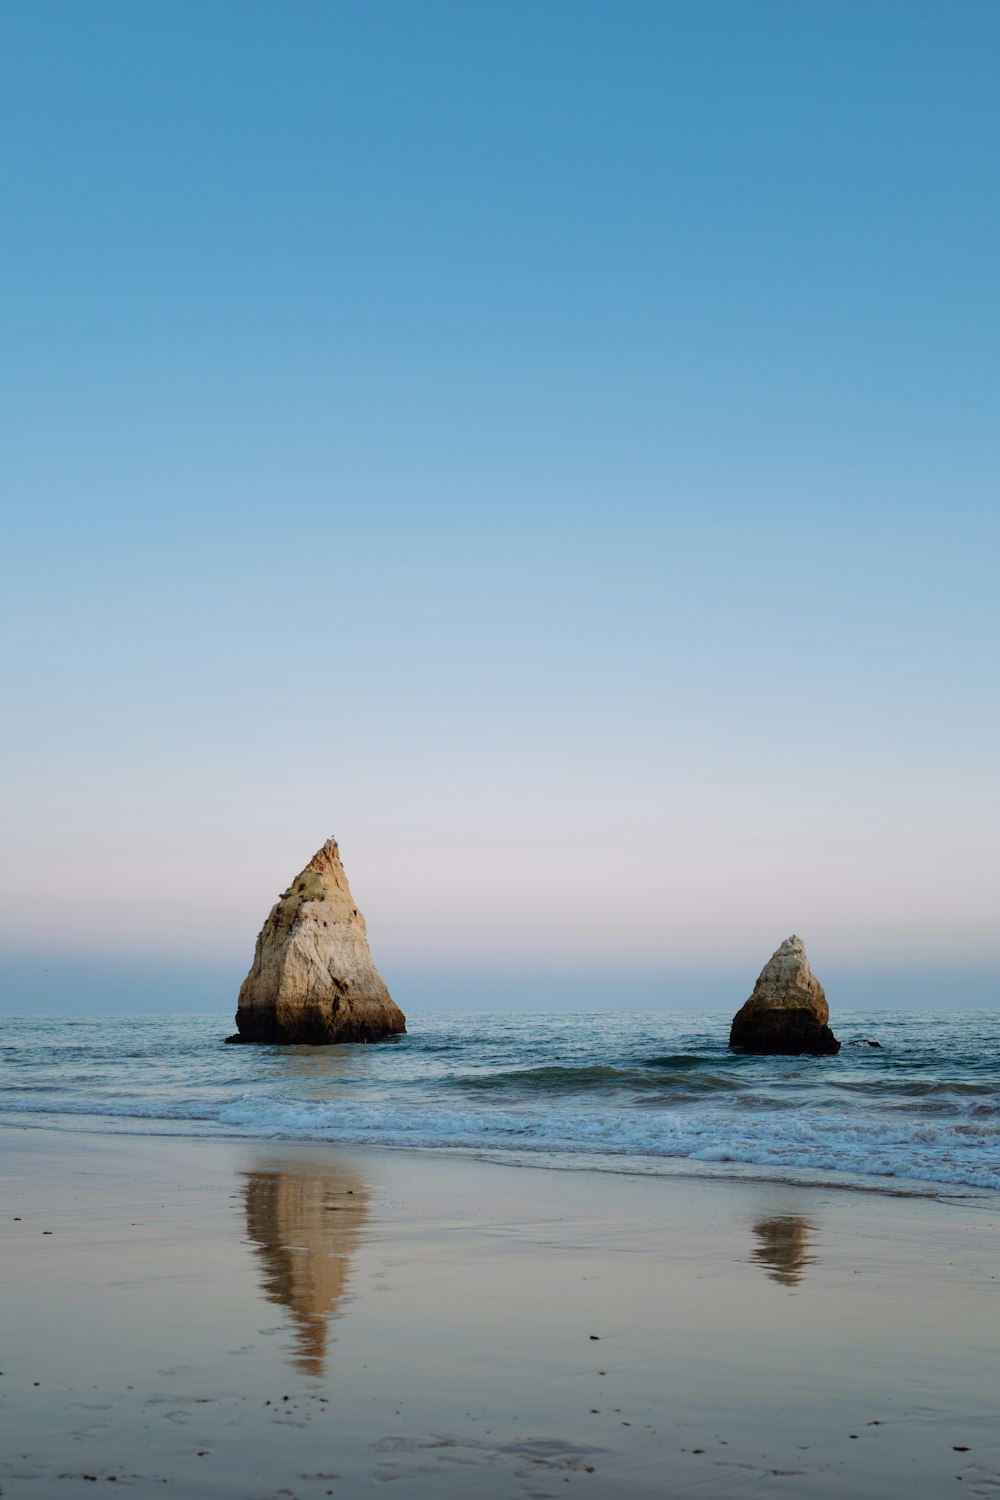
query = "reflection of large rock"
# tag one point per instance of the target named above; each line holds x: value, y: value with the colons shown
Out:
x: 312, y: 978
x: 787, y: 1011
x: 305, y: 1227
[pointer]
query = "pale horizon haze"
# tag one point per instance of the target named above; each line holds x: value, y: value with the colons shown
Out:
x: 552, y: 448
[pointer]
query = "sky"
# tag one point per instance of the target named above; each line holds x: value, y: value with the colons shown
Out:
x: 550, y: 446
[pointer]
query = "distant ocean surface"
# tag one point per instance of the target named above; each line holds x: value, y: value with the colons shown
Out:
x: 648, y: 1093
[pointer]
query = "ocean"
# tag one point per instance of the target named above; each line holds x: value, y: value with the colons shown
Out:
x: 642, y: 1093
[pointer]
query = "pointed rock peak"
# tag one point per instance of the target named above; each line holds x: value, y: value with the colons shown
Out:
x: 326, y: 857
x: 323, y: 878
x: 789, y: 958
x: 792, y: 948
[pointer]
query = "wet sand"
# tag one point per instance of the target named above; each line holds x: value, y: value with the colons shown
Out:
x: 242, y: 1319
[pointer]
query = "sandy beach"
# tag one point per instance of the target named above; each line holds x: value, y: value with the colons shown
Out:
x: 238, y: 1319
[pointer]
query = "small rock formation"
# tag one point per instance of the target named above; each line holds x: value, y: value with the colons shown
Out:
x: 787, y: 1012
x: 312, y: 979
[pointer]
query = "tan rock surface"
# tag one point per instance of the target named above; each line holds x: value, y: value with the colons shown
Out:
x: 312, y: 978
x: 787, y: 1012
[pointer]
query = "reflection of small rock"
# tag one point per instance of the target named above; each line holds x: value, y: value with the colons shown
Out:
x: 783, y: 1247
x: 863, y: 1041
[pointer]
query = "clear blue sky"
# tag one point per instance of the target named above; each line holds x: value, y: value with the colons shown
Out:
x: 552, y: 446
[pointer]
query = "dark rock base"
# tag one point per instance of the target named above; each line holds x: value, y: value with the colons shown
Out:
x: 788, y: 1033
x: 264, y: 1030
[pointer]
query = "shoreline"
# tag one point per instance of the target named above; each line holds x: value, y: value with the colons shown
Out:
x: 452, y: 1323
x: 667, y: 1169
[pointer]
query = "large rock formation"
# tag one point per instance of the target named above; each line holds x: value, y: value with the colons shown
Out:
x: 312, y: 978
x: 787, y: 1011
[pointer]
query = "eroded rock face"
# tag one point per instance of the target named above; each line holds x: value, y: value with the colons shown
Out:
x: 787, y: 1012
x: 313, y: 980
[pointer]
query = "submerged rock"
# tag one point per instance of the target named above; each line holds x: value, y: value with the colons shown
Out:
x: 787, y: 1012
x: 312, y: 979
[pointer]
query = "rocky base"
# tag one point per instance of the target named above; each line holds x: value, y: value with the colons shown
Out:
x: 373, y: 1023
x: 785, y: 1032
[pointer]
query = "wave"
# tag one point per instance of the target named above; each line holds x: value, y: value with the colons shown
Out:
x: 590, y: 1079
x: 688, y: 1060
x: 864, y: 1146
x: 556, y: 1077
x: 676, y: 1079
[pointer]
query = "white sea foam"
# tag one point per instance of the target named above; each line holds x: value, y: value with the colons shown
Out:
x: 823, y: 1143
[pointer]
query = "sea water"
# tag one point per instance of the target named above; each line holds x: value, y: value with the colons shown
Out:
x: 650, y: 1093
